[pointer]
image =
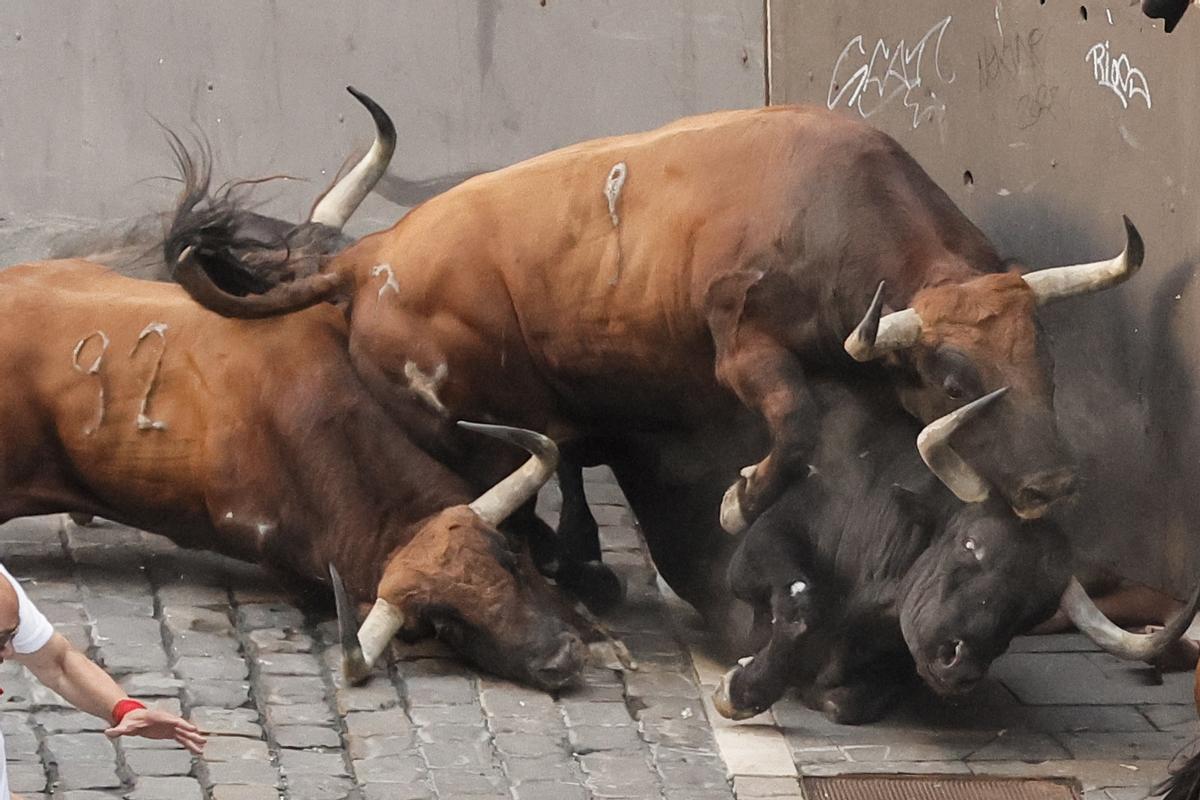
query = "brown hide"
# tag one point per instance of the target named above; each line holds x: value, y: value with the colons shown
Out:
x: 739, y: 252
x: 252, y: 438
x: 544, y: 307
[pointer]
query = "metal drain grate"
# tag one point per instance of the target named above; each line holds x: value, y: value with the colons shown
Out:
x: 936, y: 787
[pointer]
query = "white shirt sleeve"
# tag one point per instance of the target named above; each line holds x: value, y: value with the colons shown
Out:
x: 33, y: 630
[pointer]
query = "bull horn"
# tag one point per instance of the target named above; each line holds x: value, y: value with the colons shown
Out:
x: 361, y: 647
x: 1092, y: 622
x: 877, y: 335
x: 933, y: 442
x: 1057, y: 283
x: 494, y: 505
x: 340, y: 200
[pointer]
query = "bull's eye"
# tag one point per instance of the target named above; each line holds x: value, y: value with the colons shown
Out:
x: 954, y: 389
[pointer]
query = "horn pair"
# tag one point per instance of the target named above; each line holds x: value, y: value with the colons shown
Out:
x: 362, y: 646
x: 878, y: 334
x: 341, y: 199
x: 934, y: 445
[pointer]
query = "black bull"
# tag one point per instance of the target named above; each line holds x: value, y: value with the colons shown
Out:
x: 870, y: 572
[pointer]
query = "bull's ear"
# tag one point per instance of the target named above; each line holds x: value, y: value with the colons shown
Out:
x: 913, y: 506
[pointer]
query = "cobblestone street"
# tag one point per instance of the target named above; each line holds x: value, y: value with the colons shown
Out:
x: 215, y: 639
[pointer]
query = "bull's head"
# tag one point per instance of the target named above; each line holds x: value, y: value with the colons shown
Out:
x: 463, y: 579
x: 990, y: 575
x: 959, y: 341
x: 985, y: 579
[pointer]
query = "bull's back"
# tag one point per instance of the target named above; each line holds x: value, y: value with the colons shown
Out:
x: 149, y: 401
x: 604, y: 274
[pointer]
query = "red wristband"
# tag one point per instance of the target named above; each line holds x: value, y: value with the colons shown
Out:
x: 123, y: 707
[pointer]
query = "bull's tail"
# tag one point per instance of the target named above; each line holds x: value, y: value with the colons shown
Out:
x: 227, y: 270
x: 1184, y: 783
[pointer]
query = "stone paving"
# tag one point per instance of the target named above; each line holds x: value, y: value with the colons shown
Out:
x: 216, y: 640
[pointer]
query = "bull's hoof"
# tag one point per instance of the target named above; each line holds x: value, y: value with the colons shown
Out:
x: 594, y: 583
x: 82, y: 520
x: 853, y: 706
x: 723, y: 702
x: 733, y: 518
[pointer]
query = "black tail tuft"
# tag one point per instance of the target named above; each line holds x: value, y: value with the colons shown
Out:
x: 216, y: 223
x: 1184, y: 783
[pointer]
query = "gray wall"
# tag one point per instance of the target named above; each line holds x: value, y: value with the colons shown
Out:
x: 1008, y: 91
x: 471, y: 84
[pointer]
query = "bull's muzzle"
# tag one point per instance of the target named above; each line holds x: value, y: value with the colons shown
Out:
x: 563, y: 666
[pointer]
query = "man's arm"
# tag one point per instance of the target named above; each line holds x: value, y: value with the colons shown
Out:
x: 83, y: 684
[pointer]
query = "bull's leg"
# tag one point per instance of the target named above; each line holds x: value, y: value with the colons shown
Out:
x: 748, y: 317
x: 677, y: 516
x: 850, y: 691
x: 755, y: 685
x: 769, y: 379
x: 592, y: 582
x: 578, y: 533
x: 857, y: 703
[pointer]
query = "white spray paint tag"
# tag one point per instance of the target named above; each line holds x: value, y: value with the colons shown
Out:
x: 612, y: 189
x: 144, y: 422
x: 426, y: 386
x: 390, y: 283
x: 94, y: 369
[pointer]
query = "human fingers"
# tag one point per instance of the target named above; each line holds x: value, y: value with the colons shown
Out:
x: 193, y: 742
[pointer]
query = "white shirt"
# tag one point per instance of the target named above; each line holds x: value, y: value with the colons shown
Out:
x: 33, y: 631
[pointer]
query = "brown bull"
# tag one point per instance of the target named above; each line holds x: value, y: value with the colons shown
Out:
x: 638, y: 278
x: 257, y: 440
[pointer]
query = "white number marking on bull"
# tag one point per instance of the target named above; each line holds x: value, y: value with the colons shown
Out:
x: 425, y: 386
x: 888, y: 73
x: 390, y: 283
x: 1125, y: 80
x: 94, y: 369
x: 143, y: 422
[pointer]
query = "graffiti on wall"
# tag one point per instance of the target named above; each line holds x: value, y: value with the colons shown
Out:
x: 1008, y: 57
x: 870, y: 81
x: 1118, y: 74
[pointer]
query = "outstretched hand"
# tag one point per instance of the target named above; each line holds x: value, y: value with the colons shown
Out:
x: 154, y: 723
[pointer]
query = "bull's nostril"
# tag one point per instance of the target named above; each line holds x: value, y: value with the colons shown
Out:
x: 565, y: 664
x: 950, y: 653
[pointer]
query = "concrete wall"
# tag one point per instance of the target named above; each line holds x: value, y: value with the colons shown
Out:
x: 472, y: 85
x: 1004, y: 104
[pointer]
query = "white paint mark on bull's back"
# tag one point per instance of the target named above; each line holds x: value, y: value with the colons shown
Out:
x: 889, y: 72
x: 426, y: 385
x: 613, y: 185
x: 265, y: 531
x: 612, y: 190
x: 1118, y: 74
x: 143, y: 421
x: 94, y: 369
x: 390, y: 283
